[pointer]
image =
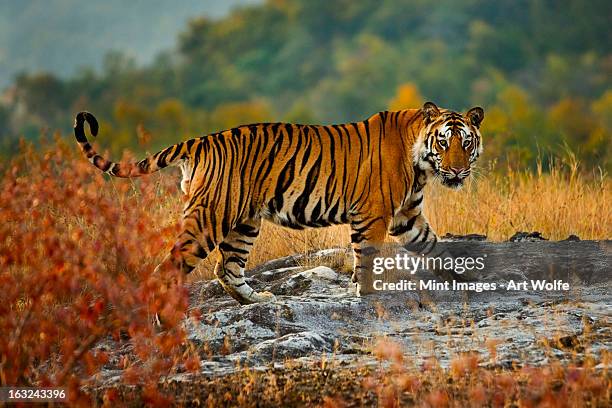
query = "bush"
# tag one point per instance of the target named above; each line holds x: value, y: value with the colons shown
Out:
x: 76, y: 259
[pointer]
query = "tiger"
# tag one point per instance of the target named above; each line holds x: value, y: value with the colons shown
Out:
x: 369, y: 175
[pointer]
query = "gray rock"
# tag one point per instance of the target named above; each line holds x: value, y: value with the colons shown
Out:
x: 315, y: 316
x: 527, y: 237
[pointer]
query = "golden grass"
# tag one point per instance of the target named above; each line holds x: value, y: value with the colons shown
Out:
x: 556, y: 203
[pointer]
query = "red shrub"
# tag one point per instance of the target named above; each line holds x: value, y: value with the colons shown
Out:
x: 77, y: 251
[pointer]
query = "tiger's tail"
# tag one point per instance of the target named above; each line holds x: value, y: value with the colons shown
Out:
x: 164, y: 158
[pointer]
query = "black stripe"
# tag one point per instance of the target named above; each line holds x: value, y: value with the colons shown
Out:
x: 416, y: 237
x: 177, y: 150
x: 366, y: 226
x: 356, y: 237
x: 403, y: 228
x: 426, y: 234
x: 415, y: 203
x: 235, y: 259
x: 283, y: 182
x: 224, y: 246
x: 316, y: 212
x: 302, y: 201
x: 247, y: 230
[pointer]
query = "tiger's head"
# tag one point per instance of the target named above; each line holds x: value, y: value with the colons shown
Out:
x: 449, y: 144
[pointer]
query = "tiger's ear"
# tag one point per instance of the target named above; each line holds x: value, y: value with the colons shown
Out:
x: 475, y: 116
x: 430, y: 112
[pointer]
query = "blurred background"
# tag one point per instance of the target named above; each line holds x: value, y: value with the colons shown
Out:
x: 155, y: 72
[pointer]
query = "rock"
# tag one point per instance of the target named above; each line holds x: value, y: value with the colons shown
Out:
x: 293, y: 345
x: 527, y: 237
x: 315, y: 317
x: 295, y: 260
x: 468, y: 237
x: 572, y: 238
x: 321, y: 272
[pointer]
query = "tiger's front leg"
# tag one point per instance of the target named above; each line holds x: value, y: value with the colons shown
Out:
x: 367, y: 234
x: 410, y: 228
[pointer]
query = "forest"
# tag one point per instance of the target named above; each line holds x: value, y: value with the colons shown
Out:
x: 541, y: 69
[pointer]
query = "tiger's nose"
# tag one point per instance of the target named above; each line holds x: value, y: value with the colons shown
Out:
x: 458, y: 170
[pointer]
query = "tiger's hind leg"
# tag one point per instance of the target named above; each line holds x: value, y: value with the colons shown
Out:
x: 194, y: 244
x: 234, y: 252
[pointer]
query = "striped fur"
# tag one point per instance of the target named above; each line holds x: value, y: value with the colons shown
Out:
x: 368, y: 174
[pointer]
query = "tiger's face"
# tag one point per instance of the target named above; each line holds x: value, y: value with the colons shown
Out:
x: 449, y: 145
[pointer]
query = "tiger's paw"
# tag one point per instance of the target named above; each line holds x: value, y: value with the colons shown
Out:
x: 262, y: 297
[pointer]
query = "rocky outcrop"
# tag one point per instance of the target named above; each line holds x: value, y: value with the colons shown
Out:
x: 314, y: 315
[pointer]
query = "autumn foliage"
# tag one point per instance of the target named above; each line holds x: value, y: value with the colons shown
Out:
x: 76, y: 259
x: 467, y: 383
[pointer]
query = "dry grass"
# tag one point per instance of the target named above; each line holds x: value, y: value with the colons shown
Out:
x: 556, y: 203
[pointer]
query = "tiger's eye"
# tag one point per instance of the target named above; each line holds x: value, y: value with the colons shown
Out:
x: 442, y: 143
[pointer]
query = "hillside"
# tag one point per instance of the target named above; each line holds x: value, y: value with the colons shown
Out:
x: 541, y: 69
